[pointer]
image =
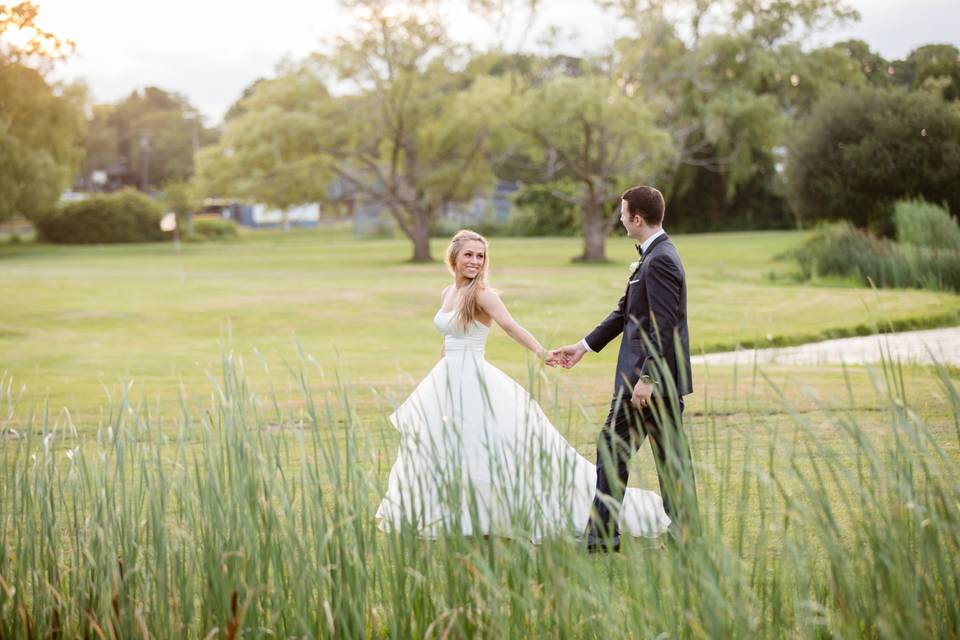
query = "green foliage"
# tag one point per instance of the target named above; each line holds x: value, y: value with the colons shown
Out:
x: 146, y: 140
x: 41, y: 125
x: 125, y: 216
x: 604, y: 139
x: 178, y: 196
x: 863, y: 149
x: 415, y: 134
x: 727, y: 98
x: 845, y: 251
x: 922, y: 224
x: 934, y: 68
x: 268, y: 150
x: 213, y: 229
x: 546, y: 209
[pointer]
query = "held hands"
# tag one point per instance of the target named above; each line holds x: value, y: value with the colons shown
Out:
x: 565, y: 357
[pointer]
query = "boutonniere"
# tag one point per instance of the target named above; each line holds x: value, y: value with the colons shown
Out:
x: 635, y: 265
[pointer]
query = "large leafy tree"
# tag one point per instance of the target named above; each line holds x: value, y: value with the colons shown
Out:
x: 145, y: 140
x: 587, y: 130
x: 862, y: 149
x: 727, y: 91
x: 41, y: 122
x: 22, y: 40
x: 268, y: 151
x: 934, y: 67
x: 413, y: 133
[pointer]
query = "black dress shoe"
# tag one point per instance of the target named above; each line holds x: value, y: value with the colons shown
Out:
x: 597, y: 544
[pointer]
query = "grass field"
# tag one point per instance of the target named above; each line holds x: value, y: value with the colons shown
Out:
x: 181, y: 485
x: 77, y: 319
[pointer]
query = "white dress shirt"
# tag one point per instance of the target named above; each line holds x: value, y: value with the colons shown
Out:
x: 643, y: 248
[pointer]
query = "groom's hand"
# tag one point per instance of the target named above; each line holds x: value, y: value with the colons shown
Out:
x: 642, y: 392
x: 570, y: 355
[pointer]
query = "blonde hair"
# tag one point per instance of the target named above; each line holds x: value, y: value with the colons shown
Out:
x: 468, y: 304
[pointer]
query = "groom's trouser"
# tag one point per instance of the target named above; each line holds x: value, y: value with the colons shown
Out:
x: 623, y: 432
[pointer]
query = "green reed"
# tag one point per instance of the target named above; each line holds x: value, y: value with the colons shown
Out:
x: 249, y: 523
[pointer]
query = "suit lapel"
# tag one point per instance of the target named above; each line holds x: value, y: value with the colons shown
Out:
x: 636, y: 280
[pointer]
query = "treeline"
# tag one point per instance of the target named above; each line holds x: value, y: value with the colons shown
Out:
x: 740, y: 125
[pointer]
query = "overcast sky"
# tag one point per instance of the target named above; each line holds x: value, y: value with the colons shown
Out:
x: 209, y: 50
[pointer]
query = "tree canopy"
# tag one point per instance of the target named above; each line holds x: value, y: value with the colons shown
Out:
x: 862, y: 149
x: 41, y: 122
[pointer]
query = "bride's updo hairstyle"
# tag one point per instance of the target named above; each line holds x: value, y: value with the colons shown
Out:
x: 468, y: 307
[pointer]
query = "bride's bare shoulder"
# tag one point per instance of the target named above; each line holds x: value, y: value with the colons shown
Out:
x: 488, y: 294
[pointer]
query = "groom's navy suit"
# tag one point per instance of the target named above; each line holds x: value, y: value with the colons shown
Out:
x: 652, y: 317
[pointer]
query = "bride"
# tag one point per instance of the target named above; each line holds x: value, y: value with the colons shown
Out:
x: 477, y: 454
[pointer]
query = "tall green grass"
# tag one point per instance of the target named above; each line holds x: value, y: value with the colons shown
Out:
x: 843, y: 250
x: 921, y: 224
x: 249, y: 524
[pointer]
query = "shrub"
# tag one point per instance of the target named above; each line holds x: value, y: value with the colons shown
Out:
x: 843, y: 250
x: 544, y: 210
x: 124, y: 216
x: 861, y: 150
x: 922, y: 224
x: 936, y: 269
x: 213, y: 229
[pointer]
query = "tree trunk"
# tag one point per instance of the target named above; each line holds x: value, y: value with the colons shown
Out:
x: 594, y: 233
x: 421, y: 239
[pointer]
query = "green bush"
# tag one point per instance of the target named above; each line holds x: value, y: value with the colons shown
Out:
x: 213, y: 229
x: 845, y: 251
x: 544, y: 210
x: 863, y: 149
x: 124, y: 216
x: 922, y: 224
x: 936, y: 269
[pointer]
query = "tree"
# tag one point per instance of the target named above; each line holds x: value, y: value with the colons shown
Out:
x: 178, y: 197
x: 412, y: 135
x: 145, y: 140
x: 863, y: 149
x: 934, y: 67
x: 875, y: 68
x: 41, y: 122
x: 268, y: 150
x: 599, y: 138
x: 727, y: 91
x: 40, y: 48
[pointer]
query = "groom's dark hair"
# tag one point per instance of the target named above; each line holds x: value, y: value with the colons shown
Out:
x: 645, y: 202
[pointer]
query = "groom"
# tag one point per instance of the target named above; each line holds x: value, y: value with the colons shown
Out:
x: 653, y: 375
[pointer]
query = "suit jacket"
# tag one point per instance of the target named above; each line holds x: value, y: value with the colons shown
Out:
x: 654, y: 305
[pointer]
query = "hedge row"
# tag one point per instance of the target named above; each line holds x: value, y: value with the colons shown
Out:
x: 124, y: 216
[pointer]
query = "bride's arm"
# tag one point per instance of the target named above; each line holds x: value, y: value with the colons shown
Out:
x: 494, y: 306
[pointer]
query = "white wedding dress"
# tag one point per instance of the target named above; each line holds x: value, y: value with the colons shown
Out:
x: 479, y: 457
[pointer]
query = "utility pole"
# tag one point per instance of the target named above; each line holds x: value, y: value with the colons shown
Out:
x: 145, y: 162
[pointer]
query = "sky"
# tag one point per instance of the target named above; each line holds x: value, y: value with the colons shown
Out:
x: 209, y: 50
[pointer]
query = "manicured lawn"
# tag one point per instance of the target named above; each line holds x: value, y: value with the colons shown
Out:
x: 75, y: 320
